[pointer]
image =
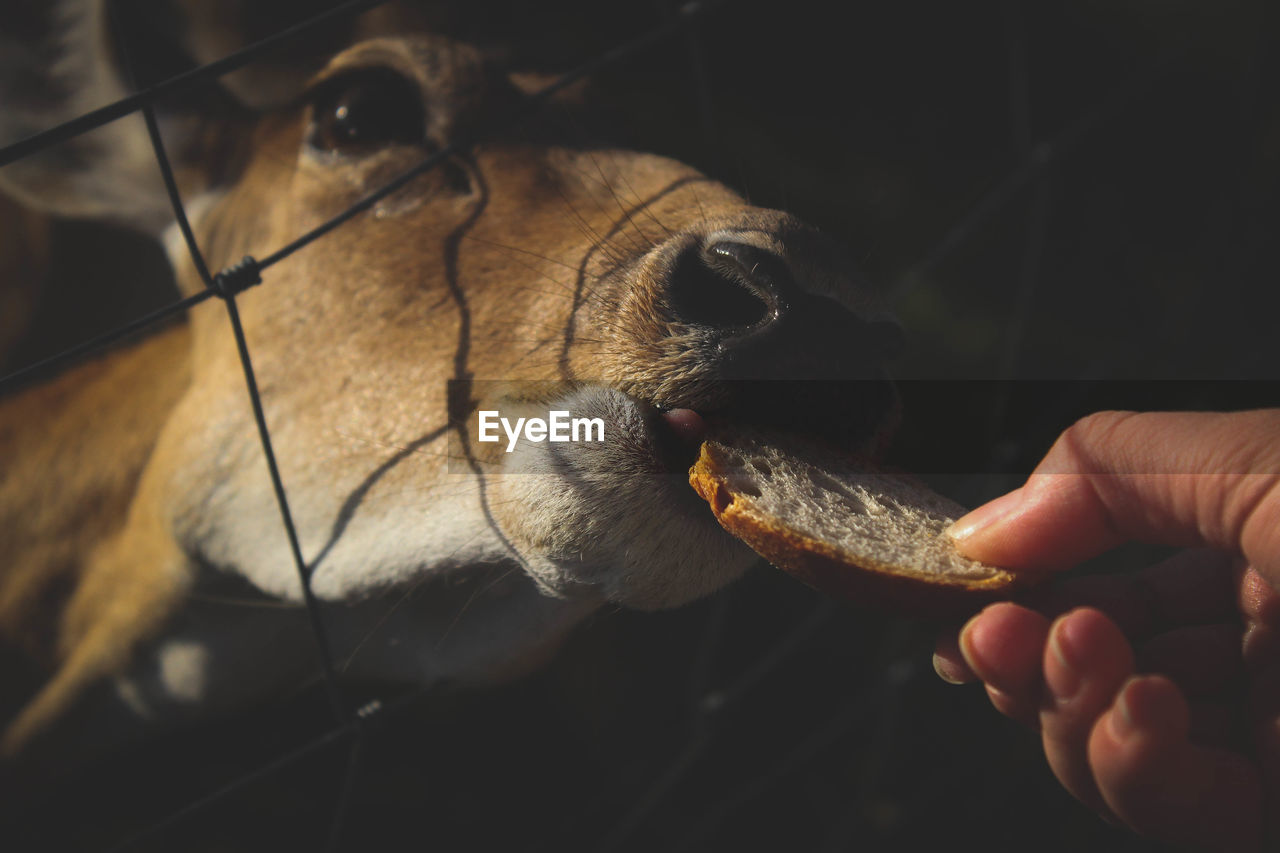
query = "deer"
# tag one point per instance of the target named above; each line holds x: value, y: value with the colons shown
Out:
x: 530, y: 272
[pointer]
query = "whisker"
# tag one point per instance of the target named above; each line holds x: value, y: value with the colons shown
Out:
x: 617, y: 199
x: 497, y: 245
x: 471, y: 600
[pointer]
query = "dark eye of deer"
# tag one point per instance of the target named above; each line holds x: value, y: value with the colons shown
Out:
x: 363, y: 111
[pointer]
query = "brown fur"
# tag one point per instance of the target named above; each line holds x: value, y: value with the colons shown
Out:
x: 132, y: 478
x: 75, y: 590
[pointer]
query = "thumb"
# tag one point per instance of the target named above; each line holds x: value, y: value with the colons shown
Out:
x: 1174, y: 478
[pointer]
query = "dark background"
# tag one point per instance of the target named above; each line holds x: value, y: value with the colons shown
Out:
x: 1079, y: 191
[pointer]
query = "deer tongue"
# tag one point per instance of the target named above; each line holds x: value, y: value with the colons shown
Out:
x: 686, y: 424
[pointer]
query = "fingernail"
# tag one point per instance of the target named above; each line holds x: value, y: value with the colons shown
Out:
x: 1064, y: 679
x: 1147, y: 705
x: 966, y: 649
x: 985, y: 515
x: 1121, y: 720
x: 941, y: 667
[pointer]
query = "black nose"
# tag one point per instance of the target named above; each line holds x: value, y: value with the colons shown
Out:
x: 787, y: 357
x: 747, y: 298
x: 735, y: 289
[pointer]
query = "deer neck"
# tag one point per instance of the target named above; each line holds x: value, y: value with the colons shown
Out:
x: 72, y: 451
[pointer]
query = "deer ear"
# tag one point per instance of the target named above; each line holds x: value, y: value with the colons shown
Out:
x: 57, y: 61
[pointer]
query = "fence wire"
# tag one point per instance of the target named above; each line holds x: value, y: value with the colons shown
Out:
x: 228, y: 283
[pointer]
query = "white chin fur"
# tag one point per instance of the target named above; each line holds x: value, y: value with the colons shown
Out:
x: 606, y: 516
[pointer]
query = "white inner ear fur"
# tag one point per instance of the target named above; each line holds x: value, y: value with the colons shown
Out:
x: 175, y: 247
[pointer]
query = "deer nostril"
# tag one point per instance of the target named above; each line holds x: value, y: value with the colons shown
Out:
x: 723, y: 288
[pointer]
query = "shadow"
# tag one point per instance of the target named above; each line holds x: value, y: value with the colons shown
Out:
x: 580, y: 281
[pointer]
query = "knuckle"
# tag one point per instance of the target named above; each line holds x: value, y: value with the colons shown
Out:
x: 1077, y: 450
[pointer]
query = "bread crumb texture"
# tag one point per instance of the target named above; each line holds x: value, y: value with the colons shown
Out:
x: 836, y: 522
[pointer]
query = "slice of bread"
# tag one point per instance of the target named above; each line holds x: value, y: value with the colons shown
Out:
x: 841, y: 526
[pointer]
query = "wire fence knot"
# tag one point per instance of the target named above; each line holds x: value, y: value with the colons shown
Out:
x: 238, y: 277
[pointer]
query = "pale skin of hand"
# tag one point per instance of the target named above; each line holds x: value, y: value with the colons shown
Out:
x: 1159, y: 705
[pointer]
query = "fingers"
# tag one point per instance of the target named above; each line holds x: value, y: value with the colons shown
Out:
x: 1085, y: 662
x: 1178, y: 478
x: 948, y: 661
x: 1065, y: 678
x: 1002, y: 647
x: 1157, y: 781
x: 1153, y: 751
x: 1258, y: 599
x: 1190, y: 588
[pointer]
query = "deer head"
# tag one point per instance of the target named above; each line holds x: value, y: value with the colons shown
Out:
x: 529, y: 272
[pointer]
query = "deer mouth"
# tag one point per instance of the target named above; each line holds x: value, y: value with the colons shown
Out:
x: 679, y: 434
x: 852, y: 415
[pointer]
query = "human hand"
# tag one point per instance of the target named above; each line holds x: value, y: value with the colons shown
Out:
x: 1159, y: 706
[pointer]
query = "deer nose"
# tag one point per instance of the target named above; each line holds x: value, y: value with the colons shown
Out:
x: 789, y: 358
x: 749, y: 297
x: 736, y: 289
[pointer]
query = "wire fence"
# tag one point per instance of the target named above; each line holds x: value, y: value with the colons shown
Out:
x: 890, y: 675
x: 227, y: 284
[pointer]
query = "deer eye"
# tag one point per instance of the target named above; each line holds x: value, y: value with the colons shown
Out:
x: 361, y: 111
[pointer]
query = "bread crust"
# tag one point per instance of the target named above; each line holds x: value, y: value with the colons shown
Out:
x: 861, y: 579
